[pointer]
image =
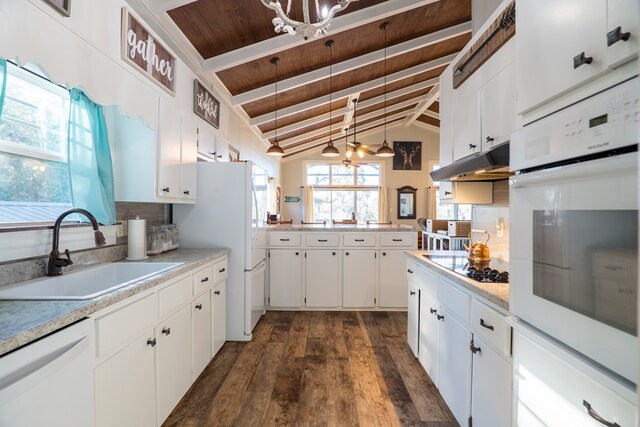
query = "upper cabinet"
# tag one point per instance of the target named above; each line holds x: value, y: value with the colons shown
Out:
x: 563, y: 44
x: 189, y: 157
x: 446, y: 117
x: 169, y: 134
x: 498, y: 107
x: 466, y: 119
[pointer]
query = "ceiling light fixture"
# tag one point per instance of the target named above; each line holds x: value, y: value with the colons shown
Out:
x: 348, y: 153
x: 330, y: 150
x: 275, y: 150
x: 305, y: 29
x: 385, y: 150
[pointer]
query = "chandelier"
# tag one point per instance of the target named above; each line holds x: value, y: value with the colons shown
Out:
x: 305, y: 29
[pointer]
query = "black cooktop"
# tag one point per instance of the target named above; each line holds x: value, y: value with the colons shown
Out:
x: 495, y: 271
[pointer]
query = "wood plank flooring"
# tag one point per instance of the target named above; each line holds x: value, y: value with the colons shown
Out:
x: 316, y: 369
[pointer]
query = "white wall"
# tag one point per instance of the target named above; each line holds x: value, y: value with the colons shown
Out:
x: 83, y: 51
x: 293, y: 174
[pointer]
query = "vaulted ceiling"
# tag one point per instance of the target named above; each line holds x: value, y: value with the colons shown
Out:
x: 235, y: 40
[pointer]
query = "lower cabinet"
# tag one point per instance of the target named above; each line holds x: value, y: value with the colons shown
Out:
x: 202, y: 335
x: 285, y: 278
x: 393, y: 280
x: 125, y: 386
x: 491, y: 387
x: 413, y: 317
x: 358, y: 278
x: 219, y: 316
x: 429, y: 345
x: 322, y: 278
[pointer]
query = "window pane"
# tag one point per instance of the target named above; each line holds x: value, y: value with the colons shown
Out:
x: 343, y: 203
x: 464, y: 212
x: 24, y: 179
x: 342, y: 175
x: 322, y: 205
x: 367, y: 206
x: 369, y: 175
x: 318, y: 175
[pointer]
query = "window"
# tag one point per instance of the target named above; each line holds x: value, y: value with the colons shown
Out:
x: 339, y: 190
x: 34, y: 183
x: 449, y: 210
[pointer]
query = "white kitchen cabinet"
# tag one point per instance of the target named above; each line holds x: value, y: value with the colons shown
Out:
x: 322, y: 278
x: 491, y: 387
x: 476, y: 193
x: 413, y: 317
x: 454, y: 376
x: 498, y: 106
x: 218, y: 316
x: 358, y: 278
x: 393, y: 280
x: 446, y: 117
x: 552, y: 36
x: 623, y: 16
x: 429, y: 346
x: 222, y: 149
x: 169, y: 146
x: 189, y: 157
x: 202, y: 333
x: 285, y: 278
x: 173, y: 360
x: 125, y: 386
x: 206, y: 142
x: 466, y: 119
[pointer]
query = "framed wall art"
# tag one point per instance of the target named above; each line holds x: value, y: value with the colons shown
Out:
x: 62, y: 6
x: 205, y: 104
x: 408, y: 155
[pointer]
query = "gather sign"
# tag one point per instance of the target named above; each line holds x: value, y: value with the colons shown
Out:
x: 205, y: 104
x: 146, y: 54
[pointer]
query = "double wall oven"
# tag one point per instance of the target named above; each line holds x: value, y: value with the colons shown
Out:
x: 574, y: 226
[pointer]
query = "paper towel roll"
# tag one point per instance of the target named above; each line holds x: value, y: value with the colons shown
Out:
x: 137, y: 239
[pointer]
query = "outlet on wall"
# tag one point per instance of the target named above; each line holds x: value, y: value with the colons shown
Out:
x: 121, y: 231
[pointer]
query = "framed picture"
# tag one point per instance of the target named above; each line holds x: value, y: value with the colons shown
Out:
x: 144, y: 53
x: 205, y: 104
x: 234, y: 154
x: 407, y: 202
x: 408, y: 155
x: 62, y: 6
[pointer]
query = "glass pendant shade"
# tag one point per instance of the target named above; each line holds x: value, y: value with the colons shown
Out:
x: 385, y: 150
x: 330, y: 150
x: 360, y: 153
x: 349, y: 153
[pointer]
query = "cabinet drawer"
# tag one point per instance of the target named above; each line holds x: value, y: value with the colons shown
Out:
x: 175, y: 296
x: 323, y: 240
x: 118, y: 327
x: 220, y: 271
x: 491, y: 326
x: 202, y: 279
x: 456, y: 301
x: 359, y: 239
x: 400, y: 240
x: 284, y: 239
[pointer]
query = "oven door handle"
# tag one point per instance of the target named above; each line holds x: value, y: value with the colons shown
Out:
x: 616, y: 165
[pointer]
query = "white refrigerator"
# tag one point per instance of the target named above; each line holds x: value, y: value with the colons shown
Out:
x: 227, y: 214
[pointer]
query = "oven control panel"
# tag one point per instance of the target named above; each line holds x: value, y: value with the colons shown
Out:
x: 603, y: 122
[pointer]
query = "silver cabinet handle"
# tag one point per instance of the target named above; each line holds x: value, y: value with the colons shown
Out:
x: 166, y: 331
x: 593, y: 414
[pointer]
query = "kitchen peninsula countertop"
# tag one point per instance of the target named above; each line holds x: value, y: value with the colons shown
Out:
x: 338, y: 227
x: 24, y: 321
x: 497, y: 293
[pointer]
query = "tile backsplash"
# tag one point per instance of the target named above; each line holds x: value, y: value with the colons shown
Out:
x: 487, y: 217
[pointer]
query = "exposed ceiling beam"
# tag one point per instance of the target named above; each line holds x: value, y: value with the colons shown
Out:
x: 362, y: 104
x: 431, y: 114
x: 352, y: 64
x: 348, y: 116
x: 391, y: 78
x: 426, y: 126
x: 282, y: 42
x: 158, y: 6
x: 429, y: 99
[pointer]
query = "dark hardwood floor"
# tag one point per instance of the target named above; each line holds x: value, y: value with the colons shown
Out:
x: 316, y: 369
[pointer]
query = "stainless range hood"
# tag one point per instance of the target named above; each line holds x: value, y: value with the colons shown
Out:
x: 492, y: 165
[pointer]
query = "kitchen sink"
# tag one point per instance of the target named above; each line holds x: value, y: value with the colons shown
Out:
x: 87, y: 283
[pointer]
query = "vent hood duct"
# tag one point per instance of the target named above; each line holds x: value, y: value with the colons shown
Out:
x: 492, y: 165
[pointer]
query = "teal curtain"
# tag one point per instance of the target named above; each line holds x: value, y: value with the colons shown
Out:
x: 90, y: 167
x: 3, y: 82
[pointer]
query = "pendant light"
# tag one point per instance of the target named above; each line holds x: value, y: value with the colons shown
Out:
x: 275, y: 149
x: 347, y: 151
x: 330, y: 150
x: 385, y: 150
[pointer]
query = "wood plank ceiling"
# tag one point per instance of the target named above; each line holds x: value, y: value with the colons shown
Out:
x: 236, y: 40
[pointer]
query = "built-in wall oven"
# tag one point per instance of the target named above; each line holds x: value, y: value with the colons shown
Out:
x: 574, y: 227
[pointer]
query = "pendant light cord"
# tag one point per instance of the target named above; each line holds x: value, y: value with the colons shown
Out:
x: 385, y: 80
x: 330, y: 44
x: 275, y: 61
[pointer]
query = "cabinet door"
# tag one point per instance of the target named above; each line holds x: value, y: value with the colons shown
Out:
x: 201, y: 309
x: 125, y: 386
x: 285, y: 278
x: 173, y: 361
x: 413, y: 318
x: 491, y: 388
x: 466, y: 121
x: 206, y: 141
x: 626, y: 15
x: 446, y: 118
x: 428, y: 346
x: 551, y: 33
x: 169, y: 136
x: 454, y: 376
x: 393, y: 280
x: 498, y: 104
x: 222, y: 149
x: 189, y: 157
x: 322, y: 278
x: 219, y: 316
x: 358, y: 278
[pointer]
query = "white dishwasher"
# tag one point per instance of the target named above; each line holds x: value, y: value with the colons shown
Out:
x: 50, y: 381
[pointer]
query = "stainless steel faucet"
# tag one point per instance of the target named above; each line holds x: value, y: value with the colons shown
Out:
x: 54, y: 267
